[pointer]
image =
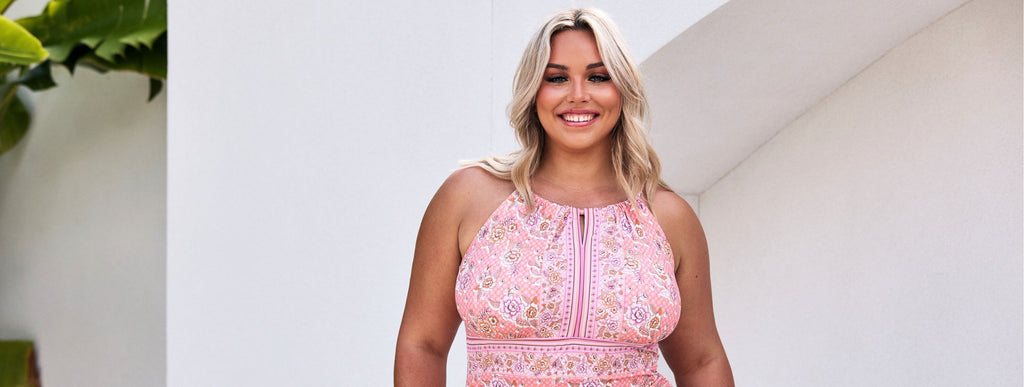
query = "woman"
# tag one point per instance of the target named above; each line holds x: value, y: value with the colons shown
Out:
x: 569, y: 261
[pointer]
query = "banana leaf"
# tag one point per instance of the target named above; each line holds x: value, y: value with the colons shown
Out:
x: 17, y: 45
x: 150, y: 61
x: 107, y: 26
x: 123, y: 35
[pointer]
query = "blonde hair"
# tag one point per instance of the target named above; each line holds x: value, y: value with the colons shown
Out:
x: 637, y: 168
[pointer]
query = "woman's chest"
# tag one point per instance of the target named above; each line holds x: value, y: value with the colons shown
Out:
x: 565, y: 272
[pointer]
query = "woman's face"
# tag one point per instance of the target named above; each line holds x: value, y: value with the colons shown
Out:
x: 577, y: 103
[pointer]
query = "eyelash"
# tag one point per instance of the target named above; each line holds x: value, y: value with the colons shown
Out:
x: 593, y: 78
x: 557, y: 79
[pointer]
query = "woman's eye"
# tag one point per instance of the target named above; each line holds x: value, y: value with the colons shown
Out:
x: 557, y: 79
x: 599, y: 78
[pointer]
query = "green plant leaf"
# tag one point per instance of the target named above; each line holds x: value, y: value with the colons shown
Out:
x: 4, y: 4
x: 151, y: 61
x: 59, y: 52
x: 14, y: 118
x: 17, y: 45
x: 155, y: 85
x: 109, y: 26
x: 79, y: 51
x: 18, y: 366
x: 39, y: 78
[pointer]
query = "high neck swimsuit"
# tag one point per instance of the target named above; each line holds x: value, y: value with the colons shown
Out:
x: 559, y: 295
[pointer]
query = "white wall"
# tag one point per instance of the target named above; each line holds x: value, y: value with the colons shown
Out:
x: 82, y: 223
x: 298, y: 168
x: 877, y: 240
x: 305, y: 140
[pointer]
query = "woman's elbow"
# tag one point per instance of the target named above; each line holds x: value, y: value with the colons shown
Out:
x: 710, y: 370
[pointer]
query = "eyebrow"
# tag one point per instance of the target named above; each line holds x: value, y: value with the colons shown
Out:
x: 566, y: 68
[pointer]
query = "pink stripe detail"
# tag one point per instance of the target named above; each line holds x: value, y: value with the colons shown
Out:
x: 554, y: 340
x: 576, y: 278
x: 561, y: 349
x: 585, y: 270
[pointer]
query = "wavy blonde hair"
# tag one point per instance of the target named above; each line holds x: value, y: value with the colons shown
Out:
x: 637, y: 168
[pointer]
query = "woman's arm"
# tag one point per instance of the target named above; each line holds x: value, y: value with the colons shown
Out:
x: 431, y: 318
x: 694, y: 350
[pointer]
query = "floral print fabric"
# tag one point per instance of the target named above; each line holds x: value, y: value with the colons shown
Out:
x: 560, y: 295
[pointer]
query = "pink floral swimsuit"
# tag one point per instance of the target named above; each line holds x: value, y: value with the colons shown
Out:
x: 567, y: 296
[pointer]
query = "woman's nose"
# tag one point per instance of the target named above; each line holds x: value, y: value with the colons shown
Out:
x: 578, y: 93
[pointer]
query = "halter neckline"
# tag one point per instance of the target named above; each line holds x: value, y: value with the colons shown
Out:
x: 539, y: 198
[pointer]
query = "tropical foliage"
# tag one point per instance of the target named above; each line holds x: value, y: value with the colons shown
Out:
x: 18, y: 366
x: 120, y: 35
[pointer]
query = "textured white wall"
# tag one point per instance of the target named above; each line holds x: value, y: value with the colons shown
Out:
x: 877, y: 239
x: 305, y: 140
x: 82, y: 222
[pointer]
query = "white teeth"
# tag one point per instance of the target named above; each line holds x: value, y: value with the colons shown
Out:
x: 578, y: 117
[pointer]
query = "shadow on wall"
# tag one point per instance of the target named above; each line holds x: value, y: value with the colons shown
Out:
x: 729, y: 83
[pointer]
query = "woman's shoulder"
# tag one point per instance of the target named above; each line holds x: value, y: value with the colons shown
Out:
x: 467, y: 189
x: 475, y: 180
x: 675, y: 216
x: 670, y: 207
x: 473, y: 194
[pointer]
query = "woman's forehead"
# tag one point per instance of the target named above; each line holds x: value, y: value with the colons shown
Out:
x: 574, y: 46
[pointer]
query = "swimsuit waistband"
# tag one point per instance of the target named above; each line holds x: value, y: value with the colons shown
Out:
x: 575, y: 357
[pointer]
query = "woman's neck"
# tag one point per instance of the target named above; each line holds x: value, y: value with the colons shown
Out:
x: 577, y: 173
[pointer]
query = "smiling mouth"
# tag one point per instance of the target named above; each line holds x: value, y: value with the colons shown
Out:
x: 578, y: 118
